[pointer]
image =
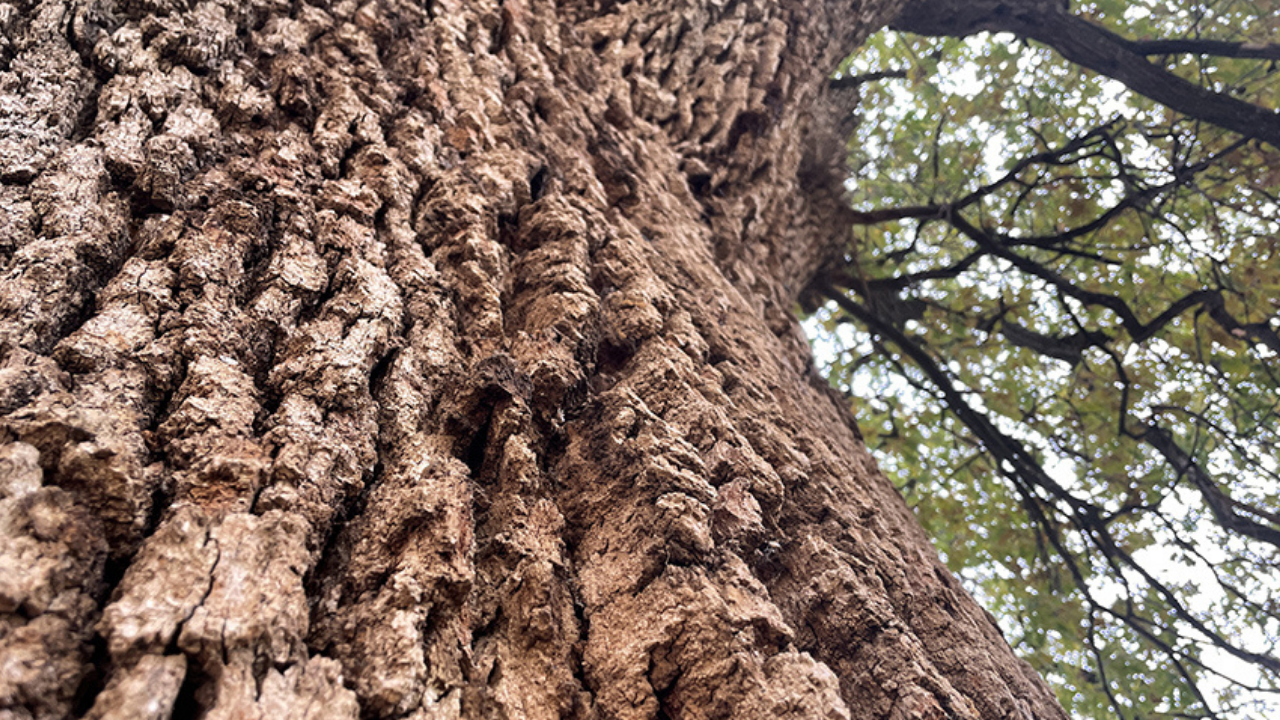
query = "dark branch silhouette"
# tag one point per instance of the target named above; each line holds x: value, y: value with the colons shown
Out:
x: 1027, y: 473
x: 1196, y: 46
x: 1100, y: 50
x: 1105, y: 204
x: 849, y: 82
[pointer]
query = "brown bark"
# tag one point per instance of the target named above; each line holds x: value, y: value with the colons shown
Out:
x: 395, y: 360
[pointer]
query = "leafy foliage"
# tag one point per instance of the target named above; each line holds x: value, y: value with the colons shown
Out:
x: 1059, y: 313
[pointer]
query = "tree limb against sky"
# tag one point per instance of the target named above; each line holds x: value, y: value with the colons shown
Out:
x: 1063, y: 293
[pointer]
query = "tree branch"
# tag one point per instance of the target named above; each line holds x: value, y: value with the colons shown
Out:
x: 849, y: 82
x: 1093, y: 47
x: 1220, y: 504
x: 1196, y: 46
x: 1026, y: 472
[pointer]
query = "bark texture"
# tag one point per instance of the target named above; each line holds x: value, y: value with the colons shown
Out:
x: 434, y: 360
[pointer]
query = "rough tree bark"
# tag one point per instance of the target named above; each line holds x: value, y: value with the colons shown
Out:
x: 435, y: 360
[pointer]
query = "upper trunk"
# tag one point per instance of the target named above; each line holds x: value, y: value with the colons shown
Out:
x: 387, y: 360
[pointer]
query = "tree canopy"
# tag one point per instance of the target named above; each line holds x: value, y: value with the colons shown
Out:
x: 1059, y: 313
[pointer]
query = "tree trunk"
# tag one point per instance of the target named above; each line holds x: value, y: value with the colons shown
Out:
x: 436, y: 360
